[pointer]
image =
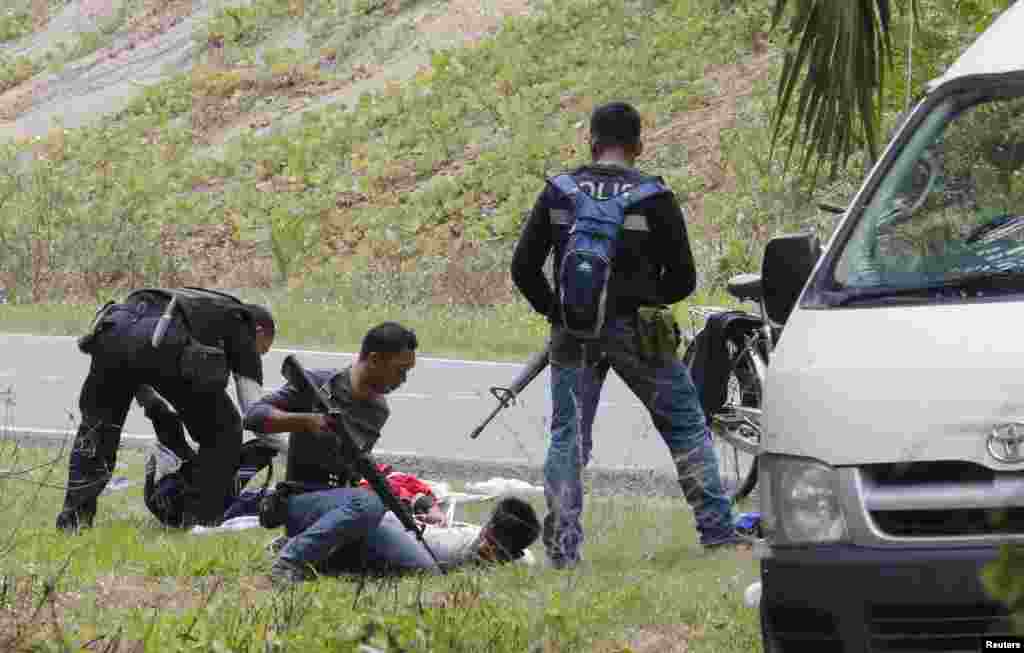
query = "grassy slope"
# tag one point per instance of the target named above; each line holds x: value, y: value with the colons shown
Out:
x: 362, y: 204
x: 463, y: 145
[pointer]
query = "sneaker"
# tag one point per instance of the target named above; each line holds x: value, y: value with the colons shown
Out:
x: 735, y: 541
x: 565, y: 562
x: 285, y: 573
x: 275, y: 545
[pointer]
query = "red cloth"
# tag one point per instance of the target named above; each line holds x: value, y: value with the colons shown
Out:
x: 404, y: 486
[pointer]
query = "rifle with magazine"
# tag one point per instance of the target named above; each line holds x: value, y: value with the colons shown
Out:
x: 363, y: 463
x: 507, y: 396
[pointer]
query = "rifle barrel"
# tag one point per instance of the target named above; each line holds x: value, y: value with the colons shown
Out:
x: 506, y: 396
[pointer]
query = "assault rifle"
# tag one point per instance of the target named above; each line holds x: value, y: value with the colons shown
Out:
x: 507, y: 396
x: 363, y: 463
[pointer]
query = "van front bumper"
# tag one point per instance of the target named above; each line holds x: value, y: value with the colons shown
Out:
x: 850, y: 599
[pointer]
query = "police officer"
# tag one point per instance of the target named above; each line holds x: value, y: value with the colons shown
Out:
x: 653, y: 267
x: 184, y: 342
x: 325, y: 516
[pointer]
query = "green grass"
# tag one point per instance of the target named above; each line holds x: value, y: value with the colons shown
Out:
x: 644, y: 574
x: 15, y: 22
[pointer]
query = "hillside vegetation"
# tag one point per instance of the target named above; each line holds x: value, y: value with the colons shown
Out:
x: 385, y: 152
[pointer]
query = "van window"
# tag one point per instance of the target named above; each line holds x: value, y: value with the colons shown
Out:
x: 952, y: 203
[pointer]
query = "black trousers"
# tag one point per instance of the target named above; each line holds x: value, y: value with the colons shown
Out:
x: 122, y: 360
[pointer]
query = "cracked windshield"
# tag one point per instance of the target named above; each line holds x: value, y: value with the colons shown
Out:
x: 951, y: 206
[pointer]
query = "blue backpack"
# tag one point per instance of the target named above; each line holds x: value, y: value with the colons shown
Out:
x: 586, y: 264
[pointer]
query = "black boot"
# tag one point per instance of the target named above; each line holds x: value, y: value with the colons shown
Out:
x: 72, y: 521
x: 93, y: 457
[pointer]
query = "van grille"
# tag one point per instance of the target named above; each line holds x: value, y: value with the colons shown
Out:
x: 931, y: 523
x: 934, y: 629
x: 941, y: 499
x: 928, y: 472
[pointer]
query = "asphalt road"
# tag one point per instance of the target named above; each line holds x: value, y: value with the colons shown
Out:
x: 431, y: 415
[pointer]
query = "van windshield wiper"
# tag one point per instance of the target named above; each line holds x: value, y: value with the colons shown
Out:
x: 970, y: 283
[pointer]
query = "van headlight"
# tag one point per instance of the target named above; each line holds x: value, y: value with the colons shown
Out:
x: 801, y: 501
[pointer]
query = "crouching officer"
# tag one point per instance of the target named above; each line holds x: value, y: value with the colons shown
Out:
x: 184, y: 343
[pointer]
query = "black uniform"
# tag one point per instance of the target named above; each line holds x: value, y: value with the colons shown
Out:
x: 123, y: 359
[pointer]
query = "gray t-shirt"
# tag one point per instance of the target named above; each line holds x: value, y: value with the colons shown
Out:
x: 318, y: 458
x: 454, y: 545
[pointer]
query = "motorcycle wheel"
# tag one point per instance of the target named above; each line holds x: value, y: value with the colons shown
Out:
x: 737, y: 469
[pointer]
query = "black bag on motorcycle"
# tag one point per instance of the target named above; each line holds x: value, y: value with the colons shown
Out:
x: 710, y: 364
x: 787, y: 264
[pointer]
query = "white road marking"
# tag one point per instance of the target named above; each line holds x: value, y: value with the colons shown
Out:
x: 451, y: 396
x: 312, y: 352
x: 151, y: 438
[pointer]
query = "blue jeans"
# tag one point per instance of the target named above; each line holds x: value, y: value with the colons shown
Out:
x: 341, y: 529
x: 668, y: 393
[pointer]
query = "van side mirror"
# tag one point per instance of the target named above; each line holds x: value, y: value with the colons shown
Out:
x: 788, y: 262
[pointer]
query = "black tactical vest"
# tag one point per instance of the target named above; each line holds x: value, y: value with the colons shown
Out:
x: 206, y: 313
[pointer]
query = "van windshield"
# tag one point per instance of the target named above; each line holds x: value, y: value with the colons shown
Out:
x: 950, y: 208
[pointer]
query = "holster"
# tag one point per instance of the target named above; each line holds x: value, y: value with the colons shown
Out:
x: 203, y: 367
x: 658, y: 333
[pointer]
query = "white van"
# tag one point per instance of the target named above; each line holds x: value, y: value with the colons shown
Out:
x: 892, y: 462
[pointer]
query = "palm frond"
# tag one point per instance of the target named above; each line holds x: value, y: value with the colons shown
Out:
x: 834, y: 68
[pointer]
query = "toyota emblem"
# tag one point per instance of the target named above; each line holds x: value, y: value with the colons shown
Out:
x: 1006, y: 442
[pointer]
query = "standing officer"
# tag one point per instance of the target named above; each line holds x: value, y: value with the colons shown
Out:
x: 185, y: 343
x: 653, y: 267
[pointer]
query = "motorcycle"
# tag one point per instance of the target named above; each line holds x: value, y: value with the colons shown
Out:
x: 729, y: 355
